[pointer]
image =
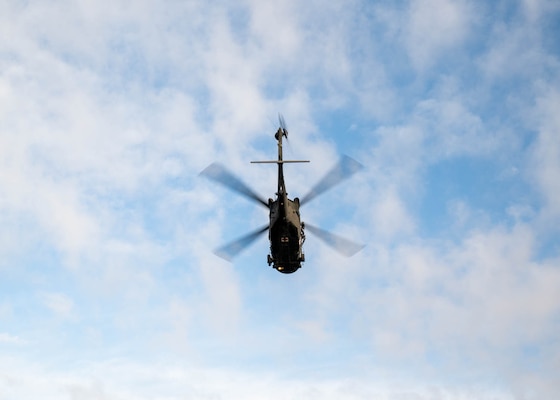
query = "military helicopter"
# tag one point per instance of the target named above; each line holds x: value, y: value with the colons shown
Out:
x: 286, y: 231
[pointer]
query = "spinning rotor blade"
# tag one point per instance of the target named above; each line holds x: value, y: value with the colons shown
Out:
x: 220, y: 174
x: 344, y: 246
x: 345, y: 168
x: 282, y: 123
x: 229, y: 251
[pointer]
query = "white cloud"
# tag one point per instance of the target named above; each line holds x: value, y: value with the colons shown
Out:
x: 390, y: 218
x: 116, y: 379
x: 536, y: 9
x: 59, y: 304
x: 110, y: 111
x: 435, y: 27
x: 545, y: 157
x: 223, y: 304
x: 6, y: 338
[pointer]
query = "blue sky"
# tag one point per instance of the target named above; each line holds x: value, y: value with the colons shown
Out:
x: 109, y: 289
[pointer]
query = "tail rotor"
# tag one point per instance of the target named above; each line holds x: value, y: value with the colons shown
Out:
x: 283, y: 126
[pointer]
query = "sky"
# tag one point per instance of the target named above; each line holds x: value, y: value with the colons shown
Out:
x: 109, y: 289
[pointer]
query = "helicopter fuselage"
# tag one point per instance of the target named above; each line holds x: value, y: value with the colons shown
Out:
x: 286, y: 235
x: 285, y: 231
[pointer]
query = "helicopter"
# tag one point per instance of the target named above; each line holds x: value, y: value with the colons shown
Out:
x: 286, y: 231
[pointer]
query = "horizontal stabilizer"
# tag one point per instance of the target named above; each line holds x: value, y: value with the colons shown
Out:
x: 279, y: 162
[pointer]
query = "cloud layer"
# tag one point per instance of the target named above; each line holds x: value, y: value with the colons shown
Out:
x: 109, y: 288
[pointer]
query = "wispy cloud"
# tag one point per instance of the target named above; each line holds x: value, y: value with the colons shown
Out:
x: 109, y: 112
x: 6, y: 338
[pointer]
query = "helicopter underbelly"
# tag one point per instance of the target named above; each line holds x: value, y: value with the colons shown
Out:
x: 285, y: 237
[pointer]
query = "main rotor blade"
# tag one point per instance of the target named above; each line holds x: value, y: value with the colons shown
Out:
x: 220, y: 174
x: 345, y: 168
x: 344, y: 246
x: 230, y: 250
